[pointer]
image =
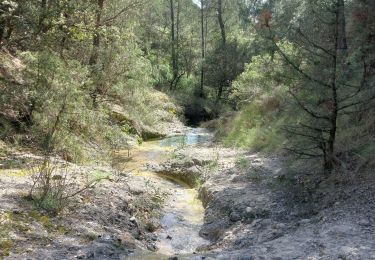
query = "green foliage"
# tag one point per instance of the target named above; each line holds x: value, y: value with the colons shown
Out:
x: 262, y: 100
x: 242, y: 163
x: 99, y: 175
x: 256, y: 130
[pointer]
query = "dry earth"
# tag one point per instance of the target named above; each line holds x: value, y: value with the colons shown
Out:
x: 255, y: 210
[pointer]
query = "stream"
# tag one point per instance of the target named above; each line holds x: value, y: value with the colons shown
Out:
x: 182, y: 211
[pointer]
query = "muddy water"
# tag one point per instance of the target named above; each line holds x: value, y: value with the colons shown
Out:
x: 183, y: 212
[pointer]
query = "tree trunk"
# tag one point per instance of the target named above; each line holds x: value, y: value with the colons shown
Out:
x: 42, y: 16
x: 173, y: 41
x: 340, y: 42
x: 221, y: 23
x: 178, y: 33
x: 95, y: 50
x: 223, y: 79
x: 201, y: 94
x: 341, y: 23
x: 2, y: 25
x: 96, y: 36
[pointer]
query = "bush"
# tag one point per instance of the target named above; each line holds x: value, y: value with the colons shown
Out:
x: 52, y: 189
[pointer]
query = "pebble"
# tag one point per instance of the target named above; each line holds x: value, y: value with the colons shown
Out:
x: 364, y: 222
x: 80, y: 255
x: 304, y: 221
x: 234, y: 216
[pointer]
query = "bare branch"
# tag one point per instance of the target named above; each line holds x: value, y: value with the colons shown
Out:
x: 295, y: 132
x: 315, y: 128
x: 297, y: 68
x: 302, y: 153
x: 357, y: 103
x: 313, y: 43
x: 123, y: 10
x: 310, y: 112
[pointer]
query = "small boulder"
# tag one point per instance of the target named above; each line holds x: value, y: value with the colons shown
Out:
x: 127, y: 240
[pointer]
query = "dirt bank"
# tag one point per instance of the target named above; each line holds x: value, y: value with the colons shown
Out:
x: 253, y: 211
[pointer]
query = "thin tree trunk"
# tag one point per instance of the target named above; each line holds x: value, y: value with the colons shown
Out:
x: 222, y: 81
x: 201, y: 94
x: 2, y: 27
x: 42, y: 16
x: 178, y: 33
x: 330, y: 160
x: 342, y: 42
x: 173, y: 41
x: 95, y: 49
x: 221, y: 23
x: 96, y: 36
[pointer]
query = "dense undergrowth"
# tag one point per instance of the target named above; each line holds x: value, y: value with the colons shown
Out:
x: 62, y: 115
x: 266, y: 109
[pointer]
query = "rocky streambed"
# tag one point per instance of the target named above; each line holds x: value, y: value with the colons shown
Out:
x: 256, y: 209
x: 182, y: 197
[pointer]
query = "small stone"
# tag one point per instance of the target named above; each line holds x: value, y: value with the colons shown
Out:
x: 304, y: 221
x: 127, y: 240
x: 364, y: 222
x: 17, y: 211
x: 151, y: 247
x: 133, y: 219
x: 152, y: 225
x: 234, y: 216
x: 80, y: 255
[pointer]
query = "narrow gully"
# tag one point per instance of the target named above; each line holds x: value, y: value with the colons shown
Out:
x: 183, y: 212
